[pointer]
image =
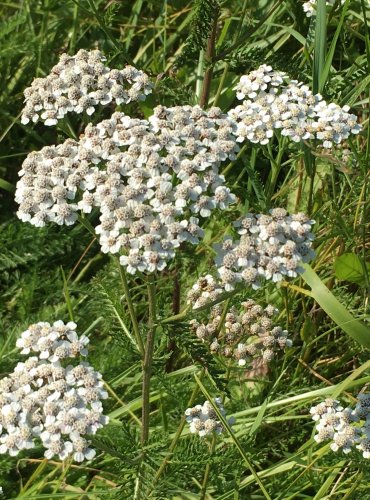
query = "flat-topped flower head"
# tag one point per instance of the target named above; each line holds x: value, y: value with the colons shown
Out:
x: 206, y: 289
x: 50, y: 341
x: 48, y: 398
x: 364, y: 446
x: 362, y: 408
x: 345, y: 427
x: 79, y: 84
x: 270, y: 247
x: 262, y: 79
x: 152, y: 181
x: 203, y: 419
x: 271, y: 101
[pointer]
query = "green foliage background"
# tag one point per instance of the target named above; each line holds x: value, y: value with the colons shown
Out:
x: 52, y: 273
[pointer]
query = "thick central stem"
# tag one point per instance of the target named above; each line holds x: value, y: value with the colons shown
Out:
x: 148, y: 361
x: 210, y: 55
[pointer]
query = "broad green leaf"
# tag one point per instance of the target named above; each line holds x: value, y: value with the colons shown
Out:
x: 348, y: 267
x: 330, y: 480
x: 317, y: 393
x: 308, y: 328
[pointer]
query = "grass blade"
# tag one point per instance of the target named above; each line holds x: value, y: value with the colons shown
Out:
x: 323, y: 75
x: 333, y: 308
x: 7, y: 186
x: 233, y: 437
x: 319, y: 46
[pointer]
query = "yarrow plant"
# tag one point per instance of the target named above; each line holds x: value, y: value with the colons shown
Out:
x: 270, y: 247
x: 203, y: 419
x: 345, y: 427
x: 149, y: 186
x: 80, y: 83
x: 152, y: 181
x: 50, y: 399
x: 271, y: 102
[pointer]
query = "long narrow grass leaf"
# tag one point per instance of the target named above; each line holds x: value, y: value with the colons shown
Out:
x: 333, y: 308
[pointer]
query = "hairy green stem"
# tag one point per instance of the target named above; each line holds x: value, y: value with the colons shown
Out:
x: 42, y: 46
x: 223, y: 317
x: 75, y: 27
x: 212, y: 447
x: 198, y: 82
x: 176, y: 317
x: 148, y: 361
x: 131, y: 309
x: 210, y: 53
x: 176, y: 295
x: 230, y: 165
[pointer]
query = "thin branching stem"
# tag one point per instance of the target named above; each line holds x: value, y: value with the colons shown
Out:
x: 131, y: 310
x: 148, y: 361
x: 226, y: 426
x: 212, y: 447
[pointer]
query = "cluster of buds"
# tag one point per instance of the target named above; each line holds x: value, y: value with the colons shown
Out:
x: 345, y: 427
x: 203, y: 419
x: 47, y: 398
x: 272, y: 102
x: 270, y: 247
x: 206, y: 289
x: 80, y: 83
x: 248, y: 336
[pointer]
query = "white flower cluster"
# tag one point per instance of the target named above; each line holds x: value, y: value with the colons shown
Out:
x: 246, y: 335
x: 271, y: 102
x: 203, y: 419
x: 344, y: 426
x: 151, y: 180
x: 270, y: 247
x: 78, y: 84
x: 47, y: 399
x: 310, y: 7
